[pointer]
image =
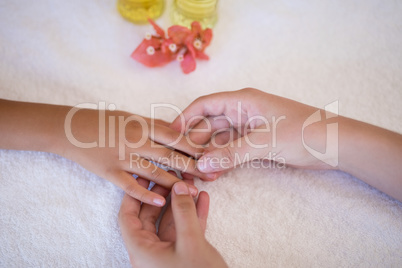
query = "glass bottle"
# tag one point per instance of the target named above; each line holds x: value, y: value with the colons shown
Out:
x: 138, y: 11
x: 184, y: 12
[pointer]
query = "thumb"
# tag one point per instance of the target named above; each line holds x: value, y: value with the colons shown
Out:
x: 188, y: 227
x: 252, y: 146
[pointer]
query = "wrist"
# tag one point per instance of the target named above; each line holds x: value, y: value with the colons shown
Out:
x: 54, y: 136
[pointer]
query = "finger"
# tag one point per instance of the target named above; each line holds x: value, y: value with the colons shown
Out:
x: 222, y: 139
x: 167, y: 230
x: 150, y: 214
x: 189, y: 181
x: 169, y: 137
x: 253, y: 146
x: 126, y: 182
x: 173, y: 159
x: 208, y: 127
x: 148, y: 170
x: 188, y: 228
x: 209, y: 105
x: 229, y: 103
x: 210, y: 176
x: 203, y: 209
x: 187, y: 175
x: 157, y: 121
x: 219, y: 141
x: 143, y: 182
x: 202, y: 206
x: 128, y: 220
x: 129, y: 206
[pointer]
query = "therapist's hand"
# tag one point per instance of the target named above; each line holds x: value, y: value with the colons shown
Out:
x: 252, y: 125
x: 180, y: 241
x: 284, y: 131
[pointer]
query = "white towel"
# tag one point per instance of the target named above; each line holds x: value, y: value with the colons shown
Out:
x: 56, y: 214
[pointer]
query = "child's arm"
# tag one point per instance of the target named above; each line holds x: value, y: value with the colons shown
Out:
x: 113, y: 145
x: 299, y: 135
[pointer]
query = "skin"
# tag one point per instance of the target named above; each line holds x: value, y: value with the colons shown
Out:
x: 180, y: 241
x: 370, y: 153
x: 41, y: 127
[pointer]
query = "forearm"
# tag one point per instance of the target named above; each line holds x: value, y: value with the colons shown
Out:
x: 371, y: 154
x: 31, y: 126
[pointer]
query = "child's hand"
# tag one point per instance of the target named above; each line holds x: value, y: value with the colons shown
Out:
x: 125, y: 145
x: 260, y: 126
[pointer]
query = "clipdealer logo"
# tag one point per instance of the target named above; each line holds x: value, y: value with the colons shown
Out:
x: 330, y: 156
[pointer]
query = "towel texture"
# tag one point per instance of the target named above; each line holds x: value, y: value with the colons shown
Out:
x: 56, y: 214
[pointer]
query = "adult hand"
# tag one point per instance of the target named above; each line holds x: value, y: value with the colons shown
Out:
x: 295, y: 134
x: 133, y: 141
x: 180, y: 241
x: 111, y: 144
x: 257, y: 125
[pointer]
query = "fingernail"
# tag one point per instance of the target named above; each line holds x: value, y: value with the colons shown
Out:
x: 193, y: 190
x: 202, y: 165
x: 158, y: 202
x: 180, y: 188
x: 211, y: 176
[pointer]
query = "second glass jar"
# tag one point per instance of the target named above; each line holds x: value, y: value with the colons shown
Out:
x: 184, y: 12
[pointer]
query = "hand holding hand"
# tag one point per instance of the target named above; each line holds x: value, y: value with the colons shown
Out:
x: 180, y: 241
x: 276, y: 128
x: 111, y: 144
x: 130, y: 142
x: 258, y: 126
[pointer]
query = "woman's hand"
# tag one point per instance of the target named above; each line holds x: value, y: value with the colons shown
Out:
x: 277, y: 129
x: 130, y: 143
x: 112, y: 144
x: 180, y: 241
x: 251, y: 125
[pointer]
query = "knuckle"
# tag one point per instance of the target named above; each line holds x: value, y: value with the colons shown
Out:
x: 228, y: 153
x: 134, y: 191
x: 200, y: 99
x: 169, y: 155
x: 156, y: 174
x: 172, y: 136
x: 249, y: 90
x: 185, y: 206
x: 151, y: 218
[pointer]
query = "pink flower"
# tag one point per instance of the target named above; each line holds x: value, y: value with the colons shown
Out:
x: 150, y: 52
x: 196, y: 42
x: 181, y: 43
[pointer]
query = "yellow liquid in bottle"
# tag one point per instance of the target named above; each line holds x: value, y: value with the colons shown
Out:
x: 138, y: 11
x: 184, y: 12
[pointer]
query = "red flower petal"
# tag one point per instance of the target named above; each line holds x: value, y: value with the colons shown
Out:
x: 178, y: 34
x: 201, y: 55
x: 188, y: 64
x: 207, y: 37
x: 157, y: 59
x: 191, y: 48
x: 196, y: 28
x: 158, y: 29
x: 162, y: 49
